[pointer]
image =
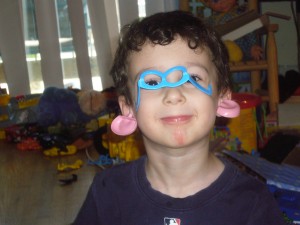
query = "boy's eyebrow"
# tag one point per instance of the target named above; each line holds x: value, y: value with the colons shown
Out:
x: 187, y: 65
x: 137, y: 75
x: 198, y: 65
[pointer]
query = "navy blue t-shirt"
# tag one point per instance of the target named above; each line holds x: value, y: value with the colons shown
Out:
x: 122, y: 195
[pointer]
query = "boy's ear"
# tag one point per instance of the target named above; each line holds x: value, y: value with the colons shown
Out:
x: 227, y: 107
x: 125, y: 124
x: 126, y: 109
x: 225, y: 96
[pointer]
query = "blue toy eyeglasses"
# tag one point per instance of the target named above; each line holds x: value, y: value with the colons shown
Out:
x: 157, y: 80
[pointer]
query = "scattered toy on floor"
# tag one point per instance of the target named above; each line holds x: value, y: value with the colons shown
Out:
x: 67, y: 181
x: 52, y: 152
x: 73, y: 166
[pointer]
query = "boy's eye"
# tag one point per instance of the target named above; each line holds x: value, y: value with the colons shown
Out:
x: 196, y: 77
x: 152, y: 82
x: 152, y: 79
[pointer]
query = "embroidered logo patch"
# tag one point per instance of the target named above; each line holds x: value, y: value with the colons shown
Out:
x: 171, y: 221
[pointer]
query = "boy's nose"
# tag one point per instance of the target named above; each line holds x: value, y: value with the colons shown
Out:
x: 174, y: 96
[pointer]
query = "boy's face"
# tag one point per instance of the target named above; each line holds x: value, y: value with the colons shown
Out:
x: 221, y: 5
x: 173, y: 116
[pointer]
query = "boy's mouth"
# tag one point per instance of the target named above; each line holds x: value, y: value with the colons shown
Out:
x: 180, y: 119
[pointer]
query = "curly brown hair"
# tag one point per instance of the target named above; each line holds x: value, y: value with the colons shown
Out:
x: 162, y: 29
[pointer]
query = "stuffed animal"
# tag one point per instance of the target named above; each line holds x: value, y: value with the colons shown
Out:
x: 225, y: 10
x: 94, y: 102
x: 68, y: 106
x: 58, y: 105
x: 91, y: 102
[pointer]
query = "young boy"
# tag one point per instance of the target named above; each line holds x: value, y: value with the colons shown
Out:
x: 172, y: 75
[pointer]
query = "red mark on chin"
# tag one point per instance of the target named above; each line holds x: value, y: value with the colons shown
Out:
x: 176, y: 123
x: 179, y: 136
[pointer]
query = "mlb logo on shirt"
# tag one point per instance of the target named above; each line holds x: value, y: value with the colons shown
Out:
x: 171, y: 221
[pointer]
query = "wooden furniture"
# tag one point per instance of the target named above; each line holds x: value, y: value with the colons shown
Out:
x: 270, y: 64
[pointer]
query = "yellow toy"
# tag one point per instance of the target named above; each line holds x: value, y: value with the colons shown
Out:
x: 127, y: 150
x: 64, y: 166
x: 124, y: 148
x: 234, y: 51
x: 70, y: 150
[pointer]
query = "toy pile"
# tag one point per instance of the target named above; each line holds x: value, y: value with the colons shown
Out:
x: 114, y: 149
x: 51, y: 120
x: 60, y: 122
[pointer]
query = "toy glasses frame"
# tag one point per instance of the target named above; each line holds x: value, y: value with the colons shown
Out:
x: 186, y: 77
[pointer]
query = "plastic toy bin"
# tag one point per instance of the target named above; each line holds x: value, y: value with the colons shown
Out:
x: 122, y: 148
x: 241, y: 133
x: 4, y: 112
x: 244, y: 127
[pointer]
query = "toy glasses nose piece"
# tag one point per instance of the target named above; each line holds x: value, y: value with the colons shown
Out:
x: 124, y: 125
x: 228, y: 108
x: 174, y: 76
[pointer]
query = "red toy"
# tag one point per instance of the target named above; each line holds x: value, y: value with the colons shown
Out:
x: 29, y: 144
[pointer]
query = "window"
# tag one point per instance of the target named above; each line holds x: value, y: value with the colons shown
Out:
x: 142, y: 8
x: 3, y: 84
x: 67, y: 53
x: 57, y: 21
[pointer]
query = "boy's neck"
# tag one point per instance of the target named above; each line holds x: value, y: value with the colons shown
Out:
x: 182, y: 175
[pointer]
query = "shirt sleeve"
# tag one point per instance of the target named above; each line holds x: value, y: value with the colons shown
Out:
x: 101, y: 204
x: 266, y: 211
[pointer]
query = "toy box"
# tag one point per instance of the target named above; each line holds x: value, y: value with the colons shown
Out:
x: 122, y: 148
x: 4, y: 111
x: 245, y: 132
x: 23, y: 109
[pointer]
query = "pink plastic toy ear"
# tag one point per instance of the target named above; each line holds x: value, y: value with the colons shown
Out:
x: 228, y: 108
x: 124, y: 125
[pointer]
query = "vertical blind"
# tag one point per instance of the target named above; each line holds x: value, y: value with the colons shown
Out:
x: 46, y: 43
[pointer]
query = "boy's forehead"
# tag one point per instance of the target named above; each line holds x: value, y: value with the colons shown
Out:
x: 148, y: 45
x: 154, y: 56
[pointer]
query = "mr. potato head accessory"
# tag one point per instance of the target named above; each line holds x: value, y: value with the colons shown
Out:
x: 154, y: 80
